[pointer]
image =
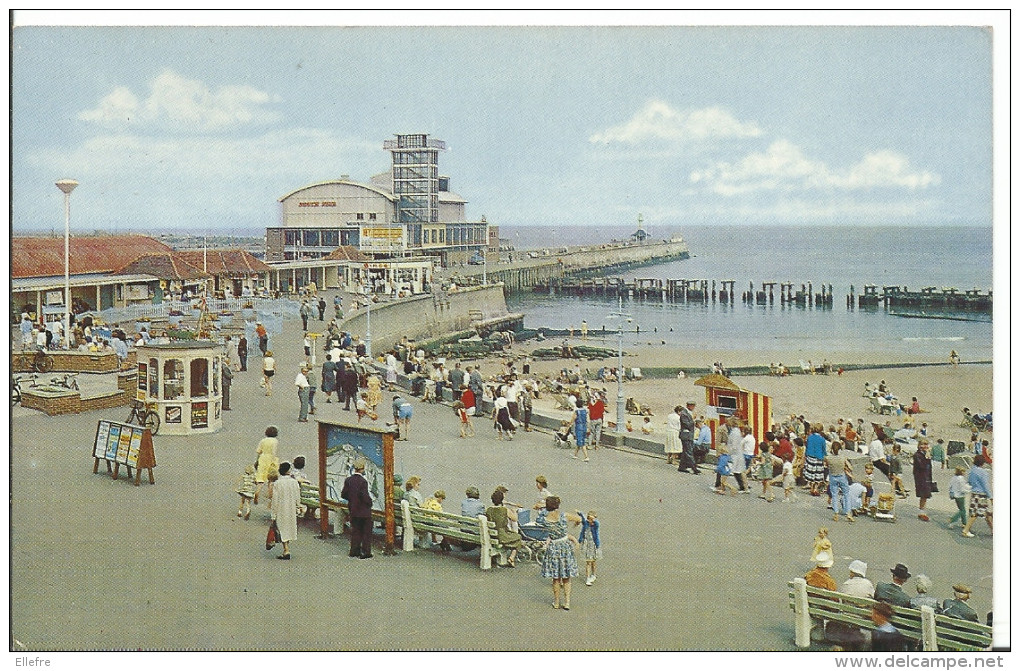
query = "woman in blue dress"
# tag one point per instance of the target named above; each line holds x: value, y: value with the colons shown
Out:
x: 329, y: 378
x: 559, y: 562
x: 581, y: 429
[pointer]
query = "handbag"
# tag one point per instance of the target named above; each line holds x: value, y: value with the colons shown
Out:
x: 934, y: 486
x: 273, y: 537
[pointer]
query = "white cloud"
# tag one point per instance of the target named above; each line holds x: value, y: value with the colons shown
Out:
x: 784, y: 167
x: 175, y: 102
x: 658, y: 122
x: 206, y: 174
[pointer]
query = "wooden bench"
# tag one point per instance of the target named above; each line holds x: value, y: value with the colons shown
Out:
x: 476, y: 530
x: 310, y: 499
x: 934, y: 631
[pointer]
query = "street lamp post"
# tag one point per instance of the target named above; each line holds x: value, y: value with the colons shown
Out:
x: 621, y: 404
x: 67, y: 186
x: 368, y: 322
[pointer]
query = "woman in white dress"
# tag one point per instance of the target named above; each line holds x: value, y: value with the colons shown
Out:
x: 673, y: 446
x: 285, y: 502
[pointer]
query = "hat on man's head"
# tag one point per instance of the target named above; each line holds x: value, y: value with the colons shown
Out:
x: 900, y: 571
x: 824, y: 560
x: 859, y: 567
x: 359, y: 464
x: 960, y: 588
x: 691, y: 403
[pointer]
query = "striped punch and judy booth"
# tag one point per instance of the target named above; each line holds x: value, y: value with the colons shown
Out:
x: 724, y: 398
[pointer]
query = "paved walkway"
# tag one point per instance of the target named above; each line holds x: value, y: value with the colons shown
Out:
x: 98, y: 564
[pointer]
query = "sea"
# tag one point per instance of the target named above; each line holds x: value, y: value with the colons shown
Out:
x: 913, y: 257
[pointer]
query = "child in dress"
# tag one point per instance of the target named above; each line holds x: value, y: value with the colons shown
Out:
x: 466, y: 427
x: 590, y: 543
x: 762, y: 466
x: 246, y: 488
x: 787, y: 480
x: 821, y: 544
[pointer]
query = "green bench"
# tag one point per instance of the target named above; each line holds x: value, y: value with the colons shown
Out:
x: 475, y: 530
x: 413, y: 521
x: 934, y: 631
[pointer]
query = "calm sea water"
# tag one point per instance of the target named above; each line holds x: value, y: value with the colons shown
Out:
x: 911, y: 257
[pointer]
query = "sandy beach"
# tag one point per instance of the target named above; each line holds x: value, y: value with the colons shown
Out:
x: 942, y: 391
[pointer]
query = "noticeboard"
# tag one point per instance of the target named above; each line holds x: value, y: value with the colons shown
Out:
x: 117, y: 442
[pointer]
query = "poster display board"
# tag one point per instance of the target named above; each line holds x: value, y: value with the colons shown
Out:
x: 340, y: 445
x: 120, y: 444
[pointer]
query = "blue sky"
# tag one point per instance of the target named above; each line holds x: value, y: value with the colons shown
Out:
x: 203, y: 129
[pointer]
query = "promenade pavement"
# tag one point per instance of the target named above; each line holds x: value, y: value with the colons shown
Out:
x: 98, y: 564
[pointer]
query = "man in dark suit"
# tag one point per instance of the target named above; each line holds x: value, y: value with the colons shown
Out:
x: 359, y: 502
x: 893, y: 592
x: 958, y: 606
x: 687, y: 463
x: 349, y: 384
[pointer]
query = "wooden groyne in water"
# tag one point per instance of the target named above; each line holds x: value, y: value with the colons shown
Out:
x: 947, y: 303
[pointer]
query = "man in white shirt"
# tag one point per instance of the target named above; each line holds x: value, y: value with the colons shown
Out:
x: 748, y: 445
x: 876, y: 452
x: 301, y: 382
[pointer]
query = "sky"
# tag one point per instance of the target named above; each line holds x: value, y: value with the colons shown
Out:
x: 203, y: 129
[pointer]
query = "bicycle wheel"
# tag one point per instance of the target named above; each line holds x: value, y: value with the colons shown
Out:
x: 152, y: 422
x: 15, y: 395
x: 44, y: 363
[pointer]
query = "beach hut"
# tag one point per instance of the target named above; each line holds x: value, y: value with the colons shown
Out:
x: 724, y: 398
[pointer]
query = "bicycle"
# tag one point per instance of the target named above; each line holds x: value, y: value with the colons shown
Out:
x: 67, y: 381
x: 142, y: 414
x: 40, y: 361
x: 16, y: 382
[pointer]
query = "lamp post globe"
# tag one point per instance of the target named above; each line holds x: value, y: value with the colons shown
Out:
x: 67, y: 186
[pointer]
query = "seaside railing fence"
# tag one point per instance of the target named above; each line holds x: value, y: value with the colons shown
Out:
x: 271, y: 312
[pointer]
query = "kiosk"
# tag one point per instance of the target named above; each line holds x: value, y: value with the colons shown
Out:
x: 724, y: 398
x: 181, y: 381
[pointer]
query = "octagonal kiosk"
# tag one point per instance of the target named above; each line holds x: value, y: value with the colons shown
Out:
x: 181, y: 381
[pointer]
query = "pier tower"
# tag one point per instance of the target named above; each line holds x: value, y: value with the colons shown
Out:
x: 415, y: 181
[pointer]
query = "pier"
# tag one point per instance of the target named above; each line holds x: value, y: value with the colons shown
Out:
x: 546, y: 267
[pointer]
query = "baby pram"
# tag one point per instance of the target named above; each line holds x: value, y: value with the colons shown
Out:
x: 883, y: 509
x: 561, y: 437
x: 533, y: 537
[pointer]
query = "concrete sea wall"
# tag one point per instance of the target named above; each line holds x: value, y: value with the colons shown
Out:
x: 427, y: 316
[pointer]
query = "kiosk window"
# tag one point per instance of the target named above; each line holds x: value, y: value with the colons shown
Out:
x: 216, y: 376
x: 173, y: 379
x: 153, y: 378
x: 199, y: 378
x: 728, y: 402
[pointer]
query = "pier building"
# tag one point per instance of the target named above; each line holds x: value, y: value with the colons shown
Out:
x: 406, y: 211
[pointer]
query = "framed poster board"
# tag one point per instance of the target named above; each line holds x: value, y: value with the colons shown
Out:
x: 143, y: 378
x: 173, y: 414
x: 199, y: 415
x: 340, y: 445
x: 122, y: 444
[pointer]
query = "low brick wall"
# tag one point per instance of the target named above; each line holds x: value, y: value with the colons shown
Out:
x: 75, y: 362
x: 65, y: 402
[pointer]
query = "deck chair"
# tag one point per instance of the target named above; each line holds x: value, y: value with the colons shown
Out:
x: 804, y: 368
x: 878, y: 407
